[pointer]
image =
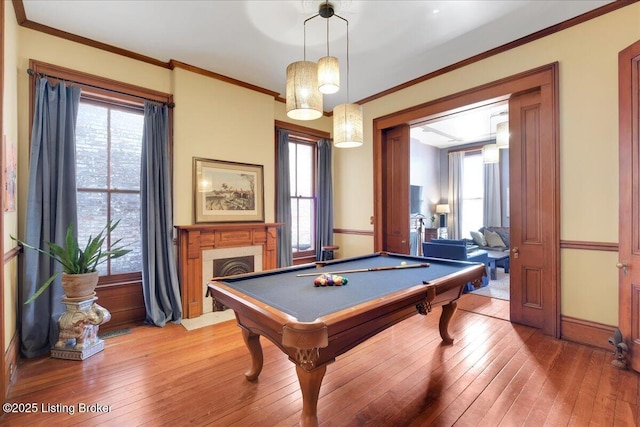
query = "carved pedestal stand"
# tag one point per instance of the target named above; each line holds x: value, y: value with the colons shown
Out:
x: 78, y: 326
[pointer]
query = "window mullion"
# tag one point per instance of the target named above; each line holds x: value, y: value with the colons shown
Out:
x: 108, y: 237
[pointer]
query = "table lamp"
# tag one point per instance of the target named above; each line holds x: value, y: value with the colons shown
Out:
x: 443, y: 210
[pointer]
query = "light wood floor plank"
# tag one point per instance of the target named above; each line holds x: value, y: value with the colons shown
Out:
x: 494, y: 374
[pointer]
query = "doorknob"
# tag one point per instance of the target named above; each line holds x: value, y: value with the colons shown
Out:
x: 516, y: 252
x: 622, y: 266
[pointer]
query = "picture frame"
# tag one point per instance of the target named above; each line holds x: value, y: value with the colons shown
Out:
x: 10, y: 174
x: 225, y: 191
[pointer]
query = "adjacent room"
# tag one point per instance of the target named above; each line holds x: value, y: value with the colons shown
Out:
x: 460, y: 162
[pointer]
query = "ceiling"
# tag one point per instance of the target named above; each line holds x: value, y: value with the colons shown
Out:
x: 473, y: 125
x: 390, y: 42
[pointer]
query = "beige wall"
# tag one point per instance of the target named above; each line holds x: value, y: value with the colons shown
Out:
x: 588, y: 58
x: 10, y: 129
x: 210, y: 121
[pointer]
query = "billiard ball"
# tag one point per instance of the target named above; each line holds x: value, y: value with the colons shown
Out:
x: 403, y: 263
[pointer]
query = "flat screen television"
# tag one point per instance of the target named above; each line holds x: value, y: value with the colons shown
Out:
x: 415, y: 192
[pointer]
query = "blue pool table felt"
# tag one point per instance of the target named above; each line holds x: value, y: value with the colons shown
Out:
x: 298, y: 297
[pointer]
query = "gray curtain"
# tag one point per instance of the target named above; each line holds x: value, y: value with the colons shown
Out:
x: 456, y: 171
x: 283, y: 200
x: 324, y: 218
x: 492, y: 209
x: 51, y: 207
x: 159, y: 275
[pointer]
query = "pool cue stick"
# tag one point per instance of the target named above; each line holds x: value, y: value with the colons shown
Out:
x: 364, y: 270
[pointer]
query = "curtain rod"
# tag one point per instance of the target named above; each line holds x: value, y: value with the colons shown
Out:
x: 32, y: 72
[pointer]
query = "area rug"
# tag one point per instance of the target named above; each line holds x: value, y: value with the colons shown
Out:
x: 208, y: 319
x: 498, y: 288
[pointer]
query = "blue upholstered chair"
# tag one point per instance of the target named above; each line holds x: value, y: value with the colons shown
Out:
x: 456, y: 249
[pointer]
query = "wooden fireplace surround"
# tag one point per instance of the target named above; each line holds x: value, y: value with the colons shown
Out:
x: 193, y: 239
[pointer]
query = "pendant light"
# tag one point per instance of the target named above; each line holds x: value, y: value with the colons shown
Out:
x: 306, y: 81
x: 347, y: 126
x: 304, y: 100
x: 502, y: 135
x: 328, y: 66
x: 490, y: 154
x: 347, y: 118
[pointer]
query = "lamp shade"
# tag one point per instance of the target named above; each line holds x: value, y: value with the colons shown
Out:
x: 328, y: 74
x: 490, y: 154
x: 502, y: 135
x: 304, y: 100
x: 347, y: 125
x: 442, y: 209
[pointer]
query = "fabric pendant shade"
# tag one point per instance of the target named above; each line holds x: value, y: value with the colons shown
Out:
x: 502, y: 135
x: 347, y: 126
x: 304, y: 100
x: 328, y: 74
x: 490, y: 154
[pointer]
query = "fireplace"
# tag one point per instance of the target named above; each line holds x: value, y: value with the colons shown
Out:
x: 227, y: 262
x: 232, y: 266
x: 199, y: 245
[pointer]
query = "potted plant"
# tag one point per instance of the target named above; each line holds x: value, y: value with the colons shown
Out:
x: 79, y: 266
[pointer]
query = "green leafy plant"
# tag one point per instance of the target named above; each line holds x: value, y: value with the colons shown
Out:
x: 75, y: 260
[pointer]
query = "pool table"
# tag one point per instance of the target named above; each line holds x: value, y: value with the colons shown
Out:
x: 313, y: 325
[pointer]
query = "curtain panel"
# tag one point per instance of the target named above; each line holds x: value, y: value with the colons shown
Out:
x: 159, y: 273
x: 283, y: 199
x: 492, y: 209
x: 51, y: 208
x: 324, y: 217
x: 456, y: 174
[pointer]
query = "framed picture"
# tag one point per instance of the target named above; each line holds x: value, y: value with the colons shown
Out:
x: 227, y: 191
x: 10, y: 174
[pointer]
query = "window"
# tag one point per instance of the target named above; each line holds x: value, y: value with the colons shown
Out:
x: 108, y: 150
x: 302, y: 169
x: 108, y: 156
x: 472, y: 194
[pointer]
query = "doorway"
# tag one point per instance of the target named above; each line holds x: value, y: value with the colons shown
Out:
x: 534, y: 184
x: 478, y: 140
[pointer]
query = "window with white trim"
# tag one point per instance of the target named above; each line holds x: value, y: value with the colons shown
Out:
x: 472, y: 193
x: 108, y: 150
x: 302, y: 170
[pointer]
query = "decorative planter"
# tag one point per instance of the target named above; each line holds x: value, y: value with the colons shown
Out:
x: 78, y: 325
x: 79, y: 285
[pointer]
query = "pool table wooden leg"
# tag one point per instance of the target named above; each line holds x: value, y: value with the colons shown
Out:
x: 447, y: 313
x: 310, y: 382
x: 255, y: 349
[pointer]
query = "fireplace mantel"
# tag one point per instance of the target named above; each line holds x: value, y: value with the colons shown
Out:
x: 193, y: 239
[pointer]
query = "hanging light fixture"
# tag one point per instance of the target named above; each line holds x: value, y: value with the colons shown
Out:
x: 304, y: 93
x: 502, y: 135
x: 304, y: 99
x: 490, y: 154
x: 347, y: 126
x: 347, y: 118
x: 328, y: 66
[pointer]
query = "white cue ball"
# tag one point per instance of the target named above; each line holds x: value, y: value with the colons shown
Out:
x: 403, y: 263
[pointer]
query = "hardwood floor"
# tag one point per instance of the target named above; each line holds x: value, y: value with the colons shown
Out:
x: 495, y: 374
